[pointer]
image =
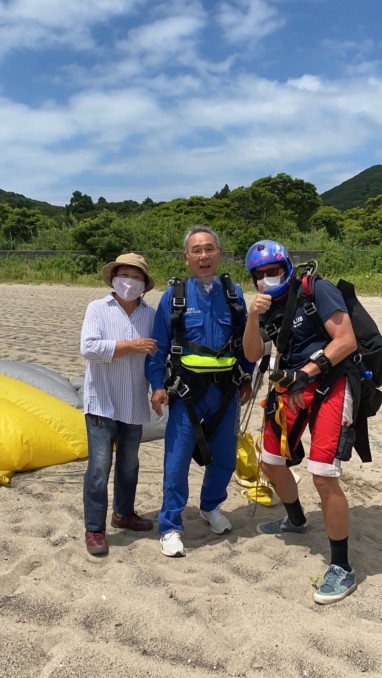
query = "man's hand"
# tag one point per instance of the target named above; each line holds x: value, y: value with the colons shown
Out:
x: 261, y: 303
x: 245, y: 393
x: 159, y: 398
x: 294, y: 381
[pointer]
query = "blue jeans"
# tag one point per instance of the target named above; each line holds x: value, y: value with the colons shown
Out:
x: 103, y: 433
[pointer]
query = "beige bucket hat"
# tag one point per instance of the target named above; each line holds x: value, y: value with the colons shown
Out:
x: 130, y: 259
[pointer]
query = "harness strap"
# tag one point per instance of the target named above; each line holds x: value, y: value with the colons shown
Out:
x: 227, y: 395
x: 236, y: 308
x: 179, y: 303
x: 201, y: 452
x: 186, y: 392
x: 292, y: 450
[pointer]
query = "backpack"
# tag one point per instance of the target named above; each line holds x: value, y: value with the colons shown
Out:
x: 364, y: 366
x: 369, y: 338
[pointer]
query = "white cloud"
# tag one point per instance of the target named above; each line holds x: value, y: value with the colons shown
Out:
x: 37, y: 24
x: 132, y: 138
x: 162, y: 111
x: 311, y: 83
x: 249, y: 19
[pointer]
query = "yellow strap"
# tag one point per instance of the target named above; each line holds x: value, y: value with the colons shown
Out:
x: 281, y: 420
x: 202, y: 363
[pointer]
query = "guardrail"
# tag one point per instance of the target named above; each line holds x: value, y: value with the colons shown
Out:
x: 296, y: 255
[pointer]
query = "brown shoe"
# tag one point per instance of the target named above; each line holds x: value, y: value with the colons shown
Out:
x: 96, y: 543
x: 132, y: 521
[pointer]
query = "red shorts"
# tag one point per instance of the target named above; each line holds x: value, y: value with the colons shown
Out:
x: 334, y: 413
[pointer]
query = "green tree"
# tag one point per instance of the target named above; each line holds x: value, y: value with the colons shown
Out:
x: 22, y: 225
x: 296, y: 195
x: 329, y: 219
x: 107, y: 235
x: 80, y: 203
x: 224, y: 193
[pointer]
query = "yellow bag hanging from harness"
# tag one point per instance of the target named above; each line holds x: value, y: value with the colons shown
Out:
x: 247, y: 467
x: 248, y: 471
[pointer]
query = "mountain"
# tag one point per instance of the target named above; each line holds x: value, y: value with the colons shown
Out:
x: 351, y: 193
x: 18, y: 200
x: 355, y: 191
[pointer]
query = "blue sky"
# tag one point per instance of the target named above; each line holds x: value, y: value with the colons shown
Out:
x: 171, y: 98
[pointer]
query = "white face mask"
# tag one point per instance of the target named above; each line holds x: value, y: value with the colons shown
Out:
x: 271, y: 283
x: 128, y: 288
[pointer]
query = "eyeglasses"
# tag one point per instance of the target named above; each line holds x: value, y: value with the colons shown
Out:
x: 198, y: 251
x: 269, y: 272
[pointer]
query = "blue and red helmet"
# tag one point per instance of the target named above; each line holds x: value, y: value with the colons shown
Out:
x: 269, y: 252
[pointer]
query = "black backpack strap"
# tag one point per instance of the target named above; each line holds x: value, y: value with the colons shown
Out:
x: 283, y: 339
x: 237, y: 311
x: 178, y: 307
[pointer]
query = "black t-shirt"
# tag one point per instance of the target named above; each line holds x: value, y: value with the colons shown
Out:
x: 307, y: 337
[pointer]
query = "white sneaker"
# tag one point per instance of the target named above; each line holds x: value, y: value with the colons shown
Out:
x: 218, y: 523
x: 172, y: 545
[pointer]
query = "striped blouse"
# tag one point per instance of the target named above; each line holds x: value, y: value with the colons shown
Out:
x: 117, y: 388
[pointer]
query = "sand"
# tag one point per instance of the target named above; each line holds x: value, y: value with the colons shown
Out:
x: 238, y: 605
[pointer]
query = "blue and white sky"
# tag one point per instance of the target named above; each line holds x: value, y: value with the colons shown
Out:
x: 171, y: 98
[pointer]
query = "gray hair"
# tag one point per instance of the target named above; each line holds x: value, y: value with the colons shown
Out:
x: 200, y: 229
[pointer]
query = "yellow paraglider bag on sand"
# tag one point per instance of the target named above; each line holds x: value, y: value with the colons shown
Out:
x: 36, y: 429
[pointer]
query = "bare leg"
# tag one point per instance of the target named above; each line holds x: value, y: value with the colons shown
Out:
x: 283, y: 481
x: 335, y: 509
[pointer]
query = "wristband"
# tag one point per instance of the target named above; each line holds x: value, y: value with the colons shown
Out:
x: 322, y: 362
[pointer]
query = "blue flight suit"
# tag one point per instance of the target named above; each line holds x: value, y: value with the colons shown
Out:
x: 207, y: 320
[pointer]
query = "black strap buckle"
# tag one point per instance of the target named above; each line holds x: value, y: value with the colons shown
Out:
x: 179, y: 302
x: 177, y: 350
x: 310, y: 308
x: 272, y: 330
x: 231, y: 294
x: 183, y: 390
x: 237, y: 380
x: 322, y: 391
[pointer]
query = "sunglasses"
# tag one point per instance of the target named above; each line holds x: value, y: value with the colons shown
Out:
x: 269, y: 272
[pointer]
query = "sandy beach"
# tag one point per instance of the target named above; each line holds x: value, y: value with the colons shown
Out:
x: 237, y: 606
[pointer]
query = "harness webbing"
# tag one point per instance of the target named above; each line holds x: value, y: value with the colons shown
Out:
x: 301, y: 293
x: 191, y: 387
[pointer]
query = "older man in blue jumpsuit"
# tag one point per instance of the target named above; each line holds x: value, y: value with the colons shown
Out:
x: 207, y: 322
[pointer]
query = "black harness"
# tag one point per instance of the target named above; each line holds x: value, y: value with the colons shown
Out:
x: 189, y: 386
x: 366, y: 399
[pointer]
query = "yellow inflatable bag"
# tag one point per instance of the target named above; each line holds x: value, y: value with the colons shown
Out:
x: 36, y: 429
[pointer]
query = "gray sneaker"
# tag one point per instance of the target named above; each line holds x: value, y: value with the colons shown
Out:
x: 219, y: 524
x: 281, y: 526
x: 337, y: 584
